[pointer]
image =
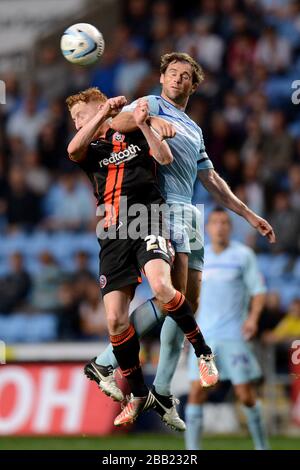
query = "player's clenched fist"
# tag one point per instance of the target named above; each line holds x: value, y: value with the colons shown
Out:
x: 113, y: 106
x: 163, y: 128
x: 141, y: 112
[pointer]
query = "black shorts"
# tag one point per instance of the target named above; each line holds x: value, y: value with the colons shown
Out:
x: 121, y: 261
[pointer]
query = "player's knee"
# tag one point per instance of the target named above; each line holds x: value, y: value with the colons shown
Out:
x: 115, y: 324
x: 246, y: 397
x: 197, y: 394
x: 161, y: 288
x: 248, y: 401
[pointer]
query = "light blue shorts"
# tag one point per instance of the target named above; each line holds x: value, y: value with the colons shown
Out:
x: 186, y: 232
x: 235, y: 361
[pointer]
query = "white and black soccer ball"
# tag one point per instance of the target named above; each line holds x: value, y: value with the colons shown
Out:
x: 82, y: 44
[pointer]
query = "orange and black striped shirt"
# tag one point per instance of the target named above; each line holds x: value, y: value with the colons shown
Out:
x: 122, y: 165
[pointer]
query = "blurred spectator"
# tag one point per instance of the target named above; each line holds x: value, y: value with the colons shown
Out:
x: 70, y: 205
x: 232, y: 168
x: 27, y: 122
x: 37, y: 177
x: 15, y: 285
x: 273, y: 51
x: 240, y: 51
x: 218, y: 140
x: 92, y: 313
x: 81, y: 276
x: 241, y: 230
x: 136, y: 16
x: 182, y: 35
x: 272, y: 313
x: 255, y: 138
x: 104, y: 76
x: 234, y: 111
x: 161, y: 40
x: 208, y: 47
x: 52, y: 139
x: 288, y: 328
x: 294, y: 186
x: 278, y: 148
x: 52, y: 74
x: 68, y: 327
x: 12, y: 92
x: 45, y: 284
x: 131, y: 71
x: 253, y: 186
x: 286, y: 224
x: 22, y: 205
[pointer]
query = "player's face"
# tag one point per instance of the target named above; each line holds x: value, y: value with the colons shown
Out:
x: 177, y: 81
x: 219, y: 228
x: 82, y: 113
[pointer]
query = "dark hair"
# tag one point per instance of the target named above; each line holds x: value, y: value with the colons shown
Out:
x: 220, y: 209
x: 167, y: 59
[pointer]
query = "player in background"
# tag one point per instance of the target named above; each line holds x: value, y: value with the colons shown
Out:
x: 180, y: 77
x: 123, y: 166
x: 232, y: 298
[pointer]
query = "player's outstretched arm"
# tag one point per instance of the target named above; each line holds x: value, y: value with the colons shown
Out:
x: 224, y: 196
x: 125, y: 122
x: 78, y: 146
x: 160, y: 149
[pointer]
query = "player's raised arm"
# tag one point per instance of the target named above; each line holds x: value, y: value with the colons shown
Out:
x: 160, y: 149
x: 125, y: 122
x: 224, y: 196
x: 87, y: 130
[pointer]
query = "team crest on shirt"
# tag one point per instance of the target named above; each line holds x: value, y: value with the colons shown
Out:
x: 103, y: 281
x: 118, y: 137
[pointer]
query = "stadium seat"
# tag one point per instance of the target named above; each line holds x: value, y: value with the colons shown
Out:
x: 273, y: 266
x: 26, y: 328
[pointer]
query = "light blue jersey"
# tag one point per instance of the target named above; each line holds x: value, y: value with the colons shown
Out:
x: 177, y: 179
x: 229, y: 279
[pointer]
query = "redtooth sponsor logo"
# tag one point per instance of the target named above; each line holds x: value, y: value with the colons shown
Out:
x: 122, y: 156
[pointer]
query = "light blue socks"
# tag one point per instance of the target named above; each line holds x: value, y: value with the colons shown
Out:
x: 171, y: 343
x: 194, y: 426
x: 256, y: 426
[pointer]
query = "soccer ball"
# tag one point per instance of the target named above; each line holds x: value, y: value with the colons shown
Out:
x: 82, y: 44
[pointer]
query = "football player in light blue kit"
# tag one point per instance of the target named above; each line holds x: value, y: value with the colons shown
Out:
x: 180, y: 77
x: 232, y: 298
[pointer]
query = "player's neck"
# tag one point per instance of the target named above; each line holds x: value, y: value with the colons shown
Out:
x: 179, y: 105
x: 219, y: 247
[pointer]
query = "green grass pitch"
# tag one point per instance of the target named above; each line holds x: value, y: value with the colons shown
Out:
x: 136, y: 441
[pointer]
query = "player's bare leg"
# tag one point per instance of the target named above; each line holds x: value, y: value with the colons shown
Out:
x: 193, y: 288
